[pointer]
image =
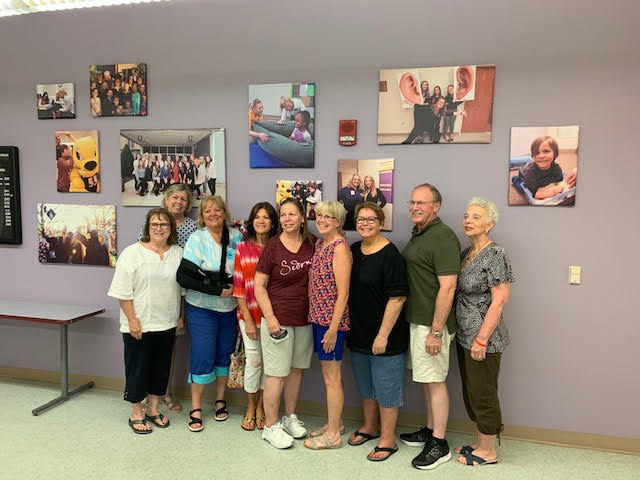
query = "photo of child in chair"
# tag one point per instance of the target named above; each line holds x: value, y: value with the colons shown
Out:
x: 548, y: 174
x: 281, y: 125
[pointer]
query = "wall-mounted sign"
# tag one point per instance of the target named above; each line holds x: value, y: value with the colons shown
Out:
x: 10, y: 226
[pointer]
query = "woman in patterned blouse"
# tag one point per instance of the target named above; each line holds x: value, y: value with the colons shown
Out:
x: 329, y: 277
x: 483, y: 291
x: 261, y: 226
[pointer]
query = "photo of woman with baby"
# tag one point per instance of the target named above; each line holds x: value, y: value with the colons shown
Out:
x: 281, y: 125
x: 118, y: 90
x: 153, y: 160
x: 543, y: 168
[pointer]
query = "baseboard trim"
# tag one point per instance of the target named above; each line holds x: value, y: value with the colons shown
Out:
x: 234, y: 397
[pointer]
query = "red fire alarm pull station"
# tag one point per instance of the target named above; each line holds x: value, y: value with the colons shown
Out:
x: 347, y: 133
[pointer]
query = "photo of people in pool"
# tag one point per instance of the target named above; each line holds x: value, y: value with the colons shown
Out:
x: 436, y: 105
x: 281, y: 125
x: 118, y: 90
x: 543, y: 167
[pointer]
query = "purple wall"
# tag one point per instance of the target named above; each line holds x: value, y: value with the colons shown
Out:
x: 572, y: 361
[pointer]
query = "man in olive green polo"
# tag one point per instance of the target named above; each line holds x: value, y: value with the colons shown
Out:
x: 433, y: 265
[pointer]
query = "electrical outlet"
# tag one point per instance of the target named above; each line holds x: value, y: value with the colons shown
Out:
x: 575, y: 274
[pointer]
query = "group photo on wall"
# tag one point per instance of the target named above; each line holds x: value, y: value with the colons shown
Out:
x: 281, y: 125
x: 78, y: 161
x: 55, y: 100
x: 436, y: 105
x: 77, y: 234
x: 369, y: 180
x: 543, y: 165
x: 153, y: 160
x: 118, y: 90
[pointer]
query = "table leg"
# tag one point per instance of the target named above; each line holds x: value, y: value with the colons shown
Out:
x: 65, y: 394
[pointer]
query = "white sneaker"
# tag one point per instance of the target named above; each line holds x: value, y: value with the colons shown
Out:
x: 276, y: 436
x: 293, y: 426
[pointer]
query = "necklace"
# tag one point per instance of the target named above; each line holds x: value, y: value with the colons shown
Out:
x: 474, y: 253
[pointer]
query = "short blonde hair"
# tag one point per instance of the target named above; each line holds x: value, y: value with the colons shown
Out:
x: 333, y: 208
x: 218, y: 202
x: 489, y: 207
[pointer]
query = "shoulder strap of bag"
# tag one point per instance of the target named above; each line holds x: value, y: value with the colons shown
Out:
x: 225, y: 243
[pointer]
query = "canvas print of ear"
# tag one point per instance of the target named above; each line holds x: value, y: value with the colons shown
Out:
x: 78, y: 161
x: 436, y: 105
x: 153, y: 160
x: 55, y: 100
x: 77, y: 234
x: 118, y: 90
x: 309, y: 192
x: 543, y: 166
x: 282, y: 125
x: 367, y: 180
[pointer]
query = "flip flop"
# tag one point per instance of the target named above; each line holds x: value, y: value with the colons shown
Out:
x: 139, y: 422
x: 172, y: 404
x: 466, y: 449
x: 260, y: 419
x: 365, y: 438
x: 323, y: 442
x: 320, y: 431
x: 157, y: 420
x: 377, y: 449
x: 221, y: 413
x: 248, y: 423
x: 470, y: 458
x: 195, y: 424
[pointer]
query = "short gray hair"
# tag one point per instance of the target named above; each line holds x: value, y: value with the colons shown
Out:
x: 489, y: 207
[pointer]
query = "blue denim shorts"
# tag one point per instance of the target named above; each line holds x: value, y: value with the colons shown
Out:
x: 380, y: 377
x: 318, y: 335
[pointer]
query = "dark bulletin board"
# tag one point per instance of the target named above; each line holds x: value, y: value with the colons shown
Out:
x: 10, y: 219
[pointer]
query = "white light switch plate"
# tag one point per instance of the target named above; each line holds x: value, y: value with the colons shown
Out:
x: 575, y: 274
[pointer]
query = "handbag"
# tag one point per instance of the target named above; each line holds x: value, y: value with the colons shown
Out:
x: 192, y: 277
x: 236, y: 368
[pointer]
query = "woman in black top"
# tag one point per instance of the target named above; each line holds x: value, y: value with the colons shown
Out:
x: 373, y: 194
x: 379, y: 336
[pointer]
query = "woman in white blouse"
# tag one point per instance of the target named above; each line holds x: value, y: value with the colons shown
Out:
x: 151, y: 307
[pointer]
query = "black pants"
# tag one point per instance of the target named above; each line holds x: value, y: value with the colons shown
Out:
x: 423, y: 122
x: 146, y: 364
x: 212, y: 186
x: 480, y: 390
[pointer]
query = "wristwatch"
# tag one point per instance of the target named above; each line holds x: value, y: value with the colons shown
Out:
x: 436, y: 334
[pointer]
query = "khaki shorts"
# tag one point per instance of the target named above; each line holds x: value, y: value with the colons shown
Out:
x: 295, y: 351
x: 427, y: 368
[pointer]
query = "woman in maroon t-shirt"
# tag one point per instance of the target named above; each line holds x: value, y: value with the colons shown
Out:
x: 281, y: 284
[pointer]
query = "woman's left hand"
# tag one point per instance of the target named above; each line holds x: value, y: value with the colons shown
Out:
x: 180, y: 321
x: 226, y: 292
x: 329, y: 340
x: 478, y: 353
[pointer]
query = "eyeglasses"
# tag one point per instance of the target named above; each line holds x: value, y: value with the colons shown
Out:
x: 320, y: 216
x: 156, y: 226
x: 411, y: 203
x: 367, y: 220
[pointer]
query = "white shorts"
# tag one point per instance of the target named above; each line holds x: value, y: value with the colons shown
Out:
x: 427, y: 368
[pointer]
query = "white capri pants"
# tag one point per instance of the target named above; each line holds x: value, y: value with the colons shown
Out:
x: 253, y: 370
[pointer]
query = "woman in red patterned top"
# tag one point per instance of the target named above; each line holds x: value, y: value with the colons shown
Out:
x: 329, y: 277
x: 262, y: 225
